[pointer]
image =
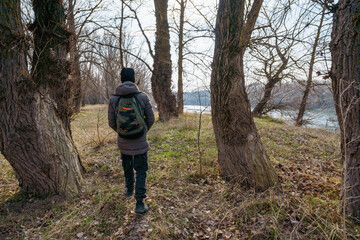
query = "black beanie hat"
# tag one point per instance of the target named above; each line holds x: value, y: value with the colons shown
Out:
x: 127, y: 74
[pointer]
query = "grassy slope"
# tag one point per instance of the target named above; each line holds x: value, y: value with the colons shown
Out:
x: 183, y: 204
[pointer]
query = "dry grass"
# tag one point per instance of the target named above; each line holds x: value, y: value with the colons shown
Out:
x: 8, y: 183
x: 184, y: 205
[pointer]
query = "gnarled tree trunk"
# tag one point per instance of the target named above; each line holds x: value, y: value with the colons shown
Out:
x: 345, y: 75
x: 161, y: 78
x: 240, y: 151
x: 35, y: 132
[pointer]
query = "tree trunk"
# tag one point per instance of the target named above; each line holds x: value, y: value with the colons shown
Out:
x: 180, y: 94
x: 259, y: 108
x: 121, y: 35
x: 272, y: 80
x: 34, y: 123
x: 75, y: 58
x: 303, y: 104
x: 161, y: 78
x: 240, y: 151
x: 345, y: 75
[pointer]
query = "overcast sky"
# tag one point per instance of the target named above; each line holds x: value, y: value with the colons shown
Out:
x: 197, y: 66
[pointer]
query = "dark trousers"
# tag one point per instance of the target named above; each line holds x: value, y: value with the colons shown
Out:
x: 140, y: 164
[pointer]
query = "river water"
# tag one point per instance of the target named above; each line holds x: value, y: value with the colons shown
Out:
x: 325, y: 119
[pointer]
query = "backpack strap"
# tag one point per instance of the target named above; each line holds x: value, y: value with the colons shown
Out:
x: 128, y: 96
x: 138, y: 101
x: 117, y: 101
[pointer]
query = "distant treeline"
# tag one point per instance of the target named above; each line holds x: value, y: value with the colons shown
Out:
x: 289, y: 95
x: 197, y: 98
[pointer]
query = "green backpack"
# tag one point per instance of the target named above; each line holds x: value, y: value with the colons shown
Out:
x: 130, y: 122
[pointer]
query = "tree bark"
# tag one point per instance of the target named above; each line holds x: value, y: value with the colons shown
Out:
x: 34, y: 123
x: 180, y: 93
x: 240, y: 151
x: 345, y: 75
x: 161, y: 77
x: 303, y: 104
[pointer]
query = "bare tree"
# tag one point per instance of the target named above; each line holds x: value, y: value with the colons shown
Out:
x: 191, y: 29
x: 34, y: 108
x: 75, y: 57
x: 121, y: 33
x: 78, y: 17
x: 309, y: 81
x: 102, y: 65
x: 345, y: 48
x: 240, y: 151
x: 161, y: 78
x: 273, y: 75
x: 180, y: 93
x: 275, y: 45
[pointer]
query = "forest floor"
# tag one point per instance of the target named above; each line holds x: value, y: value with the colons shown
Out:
x: 185, y: 204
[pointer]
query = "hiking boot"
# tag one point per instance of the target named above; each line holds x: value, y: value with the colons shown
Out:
x: 141, y: 207
x: 128, y: 192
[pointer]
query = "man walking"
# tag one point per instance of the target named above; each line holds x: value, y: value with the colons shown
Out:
x: 131, y: 116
